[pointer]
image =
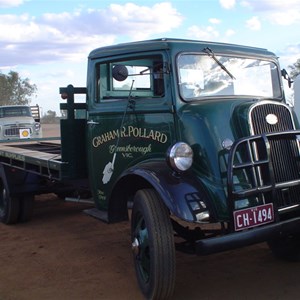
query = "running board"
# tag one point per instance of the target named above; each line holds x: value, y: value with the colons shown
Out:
x: 79, y: 200
x: 98, y: 214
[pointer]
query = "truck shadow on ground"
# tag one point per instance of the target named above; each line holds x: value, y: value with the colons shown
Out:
x: 247, y: 273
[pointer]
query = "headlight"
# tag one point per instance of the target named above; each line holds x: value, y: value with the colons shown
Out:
x: 180, y: 157
x: 37, y: 126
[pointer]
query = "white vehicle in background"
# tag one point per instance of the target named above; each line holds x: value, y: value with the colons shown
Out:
x: 20, y: 122
x: 297, y: 95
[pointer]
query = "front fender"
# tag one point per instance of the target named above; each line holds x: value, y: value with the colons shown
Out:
x: 183, y: 194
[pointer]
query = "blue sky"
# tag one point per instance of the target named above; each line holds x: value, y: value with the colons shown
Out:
x: 49, y: 41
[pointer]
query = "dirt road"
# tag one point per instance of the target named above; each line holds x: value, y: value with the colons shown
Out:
x: 51, y: 130
x: 65, y: 254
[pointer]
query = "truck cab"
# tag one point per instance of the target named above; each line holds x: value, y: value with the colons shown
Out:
x: 220, y: 106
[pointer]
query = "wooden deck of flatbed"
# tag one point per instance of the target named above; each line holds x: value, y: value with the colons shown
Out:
x: 40, y: 157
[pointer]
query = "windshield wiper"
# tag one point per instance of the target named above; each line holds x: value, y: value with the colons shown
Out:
x: 211, y: 54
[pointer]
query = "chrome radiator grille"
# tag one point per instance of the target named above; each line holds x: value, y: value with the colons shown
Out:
x: 15, y: 131
x: 284, y: 152
x: 258, y: 117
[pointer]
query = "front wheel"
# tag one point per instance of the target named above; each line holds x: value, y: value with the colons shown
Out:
x: 153, y: 245
x: 286, y: 248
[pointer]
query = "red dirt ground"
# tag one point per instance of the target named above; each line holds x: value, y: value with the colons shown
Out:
x: 63, y: 254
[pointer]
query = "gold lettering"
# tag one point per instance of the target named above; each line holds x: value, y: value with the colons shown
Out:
x: 163, y: 138
x: 123, y: 132
x: 143, y: 134
x: 116, y: 133
x: 157, y: 136
x: 129, y: 131
x: 151, y: 135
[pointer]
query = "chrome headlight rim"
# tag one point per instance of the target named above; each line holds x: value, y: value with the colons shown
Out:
x: 37, y: 126
x: 180, y: 157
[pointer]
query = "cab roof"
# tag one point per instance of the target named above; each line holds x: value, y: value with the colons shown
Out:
x: 176, y: 45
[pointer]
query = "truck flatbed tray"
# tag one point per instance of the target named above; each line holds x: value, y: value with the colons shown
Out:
x: 42, y: 158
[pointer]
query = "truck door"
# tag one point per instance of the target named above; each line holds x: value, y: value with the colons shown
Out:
x: 129, y: 117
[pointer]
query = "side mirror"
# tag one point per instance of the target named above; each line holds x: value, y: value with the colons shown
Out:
x: 286, y: 76
x: 120, y: 72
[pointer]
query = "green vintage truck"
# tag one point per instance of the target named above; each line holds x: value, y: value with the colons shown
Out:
x: 192, y: 141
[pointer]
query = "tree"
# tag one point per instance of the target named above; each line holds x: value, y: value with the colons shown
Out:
x: 15, y: 90
x: 50, y: 117
x: 295, y: 69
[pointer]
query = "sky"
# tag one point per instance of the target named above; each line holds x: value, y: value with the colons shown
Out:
x: 48, y: 41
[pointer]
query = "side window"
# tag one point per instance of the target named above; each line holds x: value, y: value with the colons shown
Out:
x: 143, y: 77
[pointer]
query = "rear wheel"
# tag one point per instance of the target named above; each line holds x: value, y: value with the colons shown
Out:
x: 286, y: 248
x: 9, y: 206
x: 26, y: 208
x: 153, y: 245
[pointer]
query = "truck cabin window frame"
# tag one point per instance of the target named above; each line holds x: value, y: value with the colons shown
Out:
x: 15, y: 111
x: 140, y: 77
x: 202, y: 76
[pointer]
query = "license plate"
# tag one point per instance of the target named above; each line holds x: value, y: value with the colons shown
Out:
x: 253, y: 216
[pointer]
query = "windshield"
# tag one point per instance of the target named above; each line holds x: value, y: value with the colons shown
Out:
x: 202, y: 76
x: 15, y: 111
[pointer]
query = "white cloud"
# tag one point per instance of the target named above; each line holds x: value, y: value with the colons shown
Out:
x: 288, y: 17
x: 253, y: 23
x: 70, y: 36
x: 227, y: 4
x: 9, y: 3
x: 229, y: 32
x: 208, y: 33
x: 269, y: 5
x: 289, y: 55
x: 128, y: 19
x: 285, y: 12
x: 214, y: 21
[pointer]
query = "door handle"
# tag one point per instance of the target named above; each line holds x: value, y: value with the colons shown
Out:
x: 92, y: 123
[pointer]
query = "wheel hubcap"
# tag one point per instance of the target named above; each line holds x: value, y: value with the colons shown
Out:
x: 141, y: 249
x: 135, y: 246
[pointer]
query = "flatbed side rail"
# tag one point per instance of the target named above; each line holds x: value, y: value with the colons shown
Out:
x: 45, y: 164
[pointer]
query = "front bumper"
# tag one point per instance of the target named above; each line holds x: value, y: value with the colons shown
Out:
x: 248, y: 237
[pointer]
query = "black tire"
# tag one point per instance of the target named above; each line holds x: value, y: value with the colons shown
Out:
x: 9, y: 206
x: 26, y: 208
x: 286, y: 248
x: 153, y: 245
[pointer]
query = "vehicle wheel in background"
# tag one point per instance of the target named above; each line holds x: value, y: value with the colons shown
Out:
x: 9, y: 206
x: 26, y: 208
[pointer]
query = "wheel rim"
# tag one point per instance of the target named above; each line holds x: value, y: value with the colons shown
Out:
x: 141, y: 249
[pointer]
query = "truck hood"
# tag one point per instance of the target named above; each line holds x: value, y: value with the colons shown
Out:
x: 211, y: 127
x: 206, y: 126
